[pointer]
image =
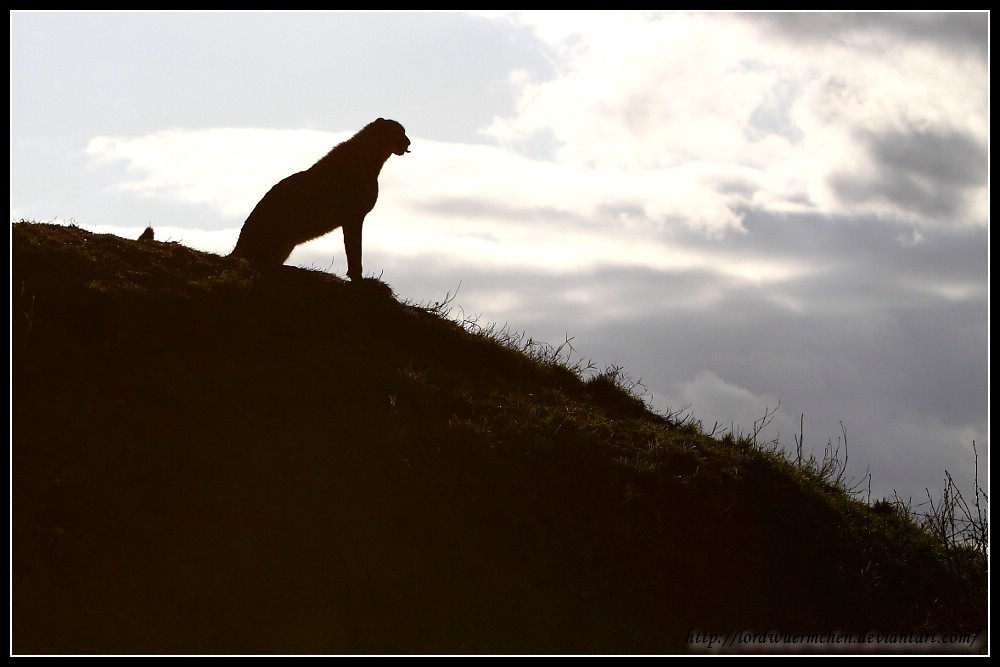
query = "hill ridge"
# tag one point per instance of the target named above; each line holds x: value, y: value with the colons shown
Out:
x: 206, y: 459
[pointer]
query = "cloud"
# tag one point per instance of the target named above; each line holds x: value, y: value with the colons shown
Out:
x: 470, y: 199
x: 228, y: 169
x: 813, y: 123
x: 645, y: 124
x: 962, y: 32
x: 728, y: 405
x: 939, y: 174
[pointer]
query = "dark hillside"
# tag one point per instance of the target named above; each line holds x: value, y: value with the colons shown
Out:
x: 209, y: 460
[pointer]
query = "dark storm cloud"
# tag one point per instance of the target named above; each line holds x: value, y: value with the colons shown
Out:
x: 842, y: 245
x: 951, y: 158
x: 963, y: 32
x: 928, y: 173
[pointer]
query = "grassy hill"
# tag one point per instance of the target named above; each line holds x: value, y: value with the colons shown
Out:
x: 210, y: 460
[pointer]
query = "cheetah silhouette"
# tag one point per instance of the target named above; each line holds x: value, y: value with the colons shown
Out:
x: 337, y: 191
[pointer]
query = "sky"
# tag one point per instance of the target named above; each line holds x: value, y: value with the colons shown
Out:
x: 751, y: 214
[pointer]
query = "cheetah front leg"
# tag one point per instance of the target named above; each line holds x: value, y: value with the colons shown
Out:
x: 352, y: 245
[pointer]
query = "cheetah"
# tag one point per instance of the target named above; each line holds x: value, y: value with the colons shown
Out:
x: 338, y: 191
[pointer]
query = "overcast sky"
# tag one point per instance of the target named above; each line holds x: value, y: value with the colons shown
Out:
x: 737, y: 209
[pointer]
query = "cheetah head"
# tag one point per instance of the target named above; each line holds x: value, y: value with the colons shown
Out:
x: 393, y: 134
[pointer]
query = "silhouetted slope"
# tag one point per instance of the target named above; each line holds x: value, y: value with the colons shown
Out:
x: 206, y: 459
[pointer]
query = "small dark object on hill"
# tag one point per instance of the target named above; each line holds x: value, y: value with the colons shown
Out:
x: 147, y: 235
